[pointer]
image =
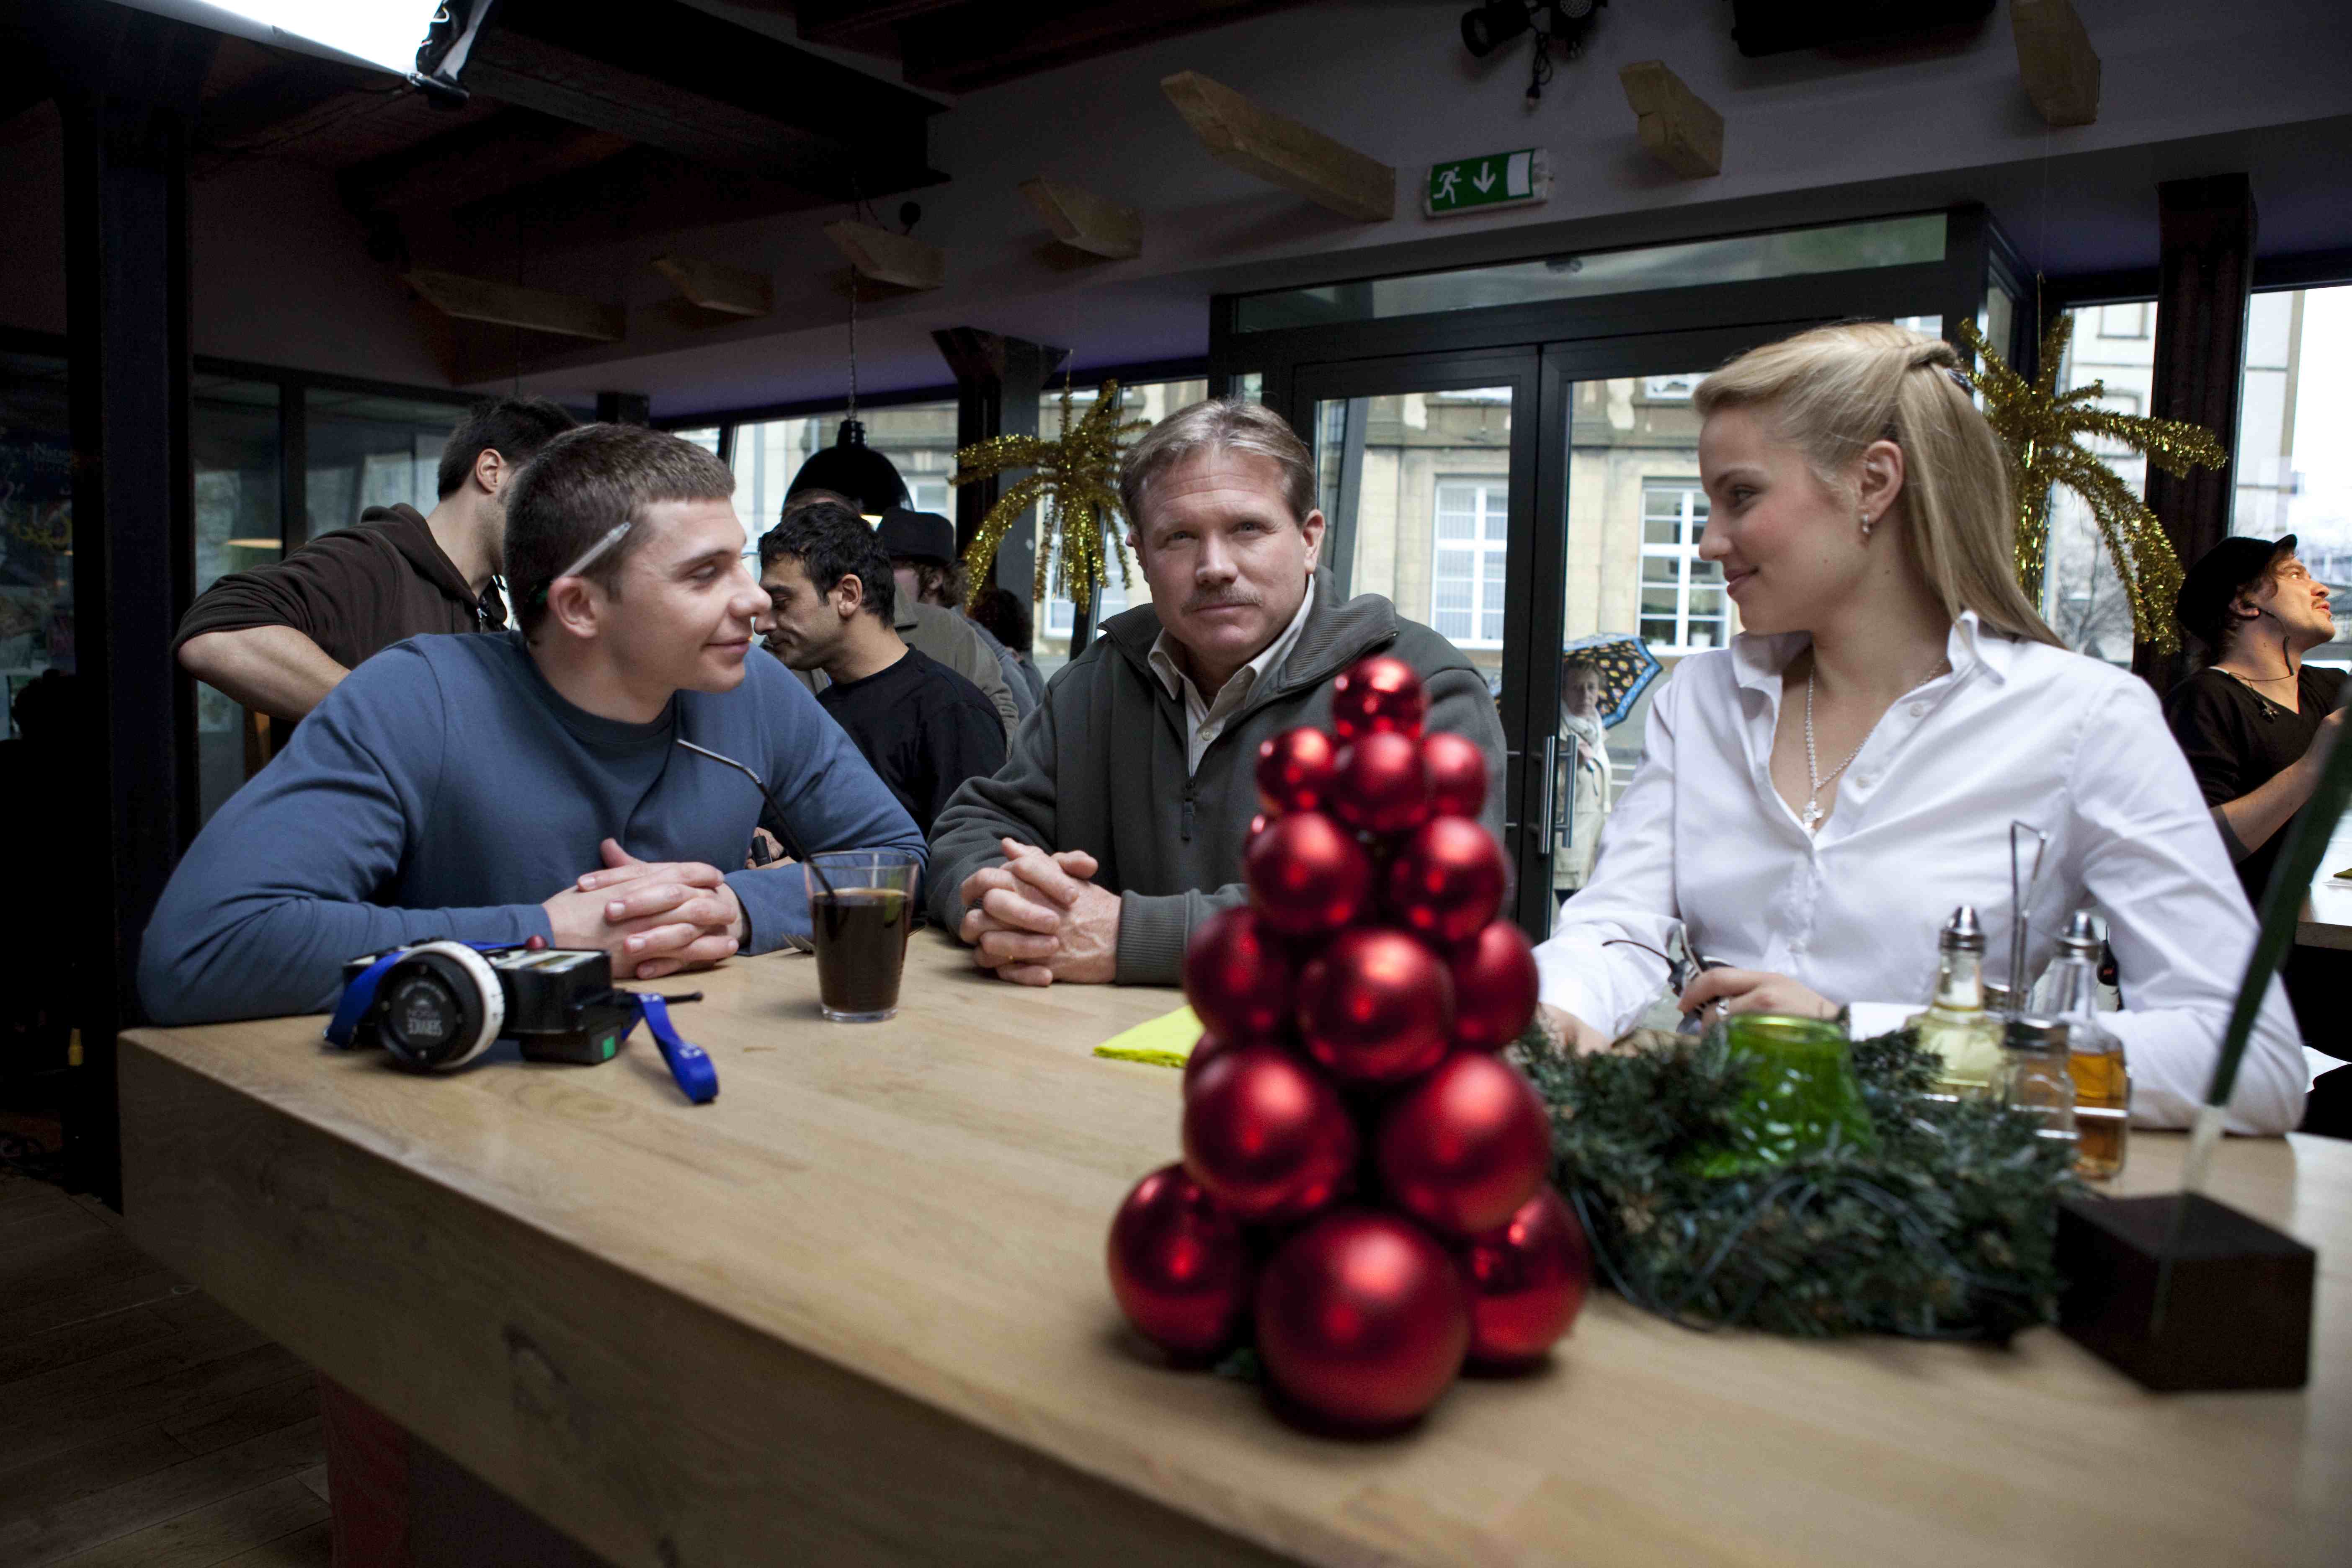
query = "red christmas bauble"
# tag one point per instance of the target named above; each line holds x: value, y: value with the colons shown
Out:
x: 1456, y: 766
x: 1375, y: 694
x: 1376, y: 1006
x: 1494, y: 987
x: 1447, y: 879
x: 1295, y: 770
x: 1257, y: 825
x: 1464, y: 1148
x: 1237, y: 977
x: 1308, y: 874
x: 1526, y: 1281
x: 1205, y: 1049
x: 1380, y: 785
x: 1362, y: 1319
x: 1178, y: 1265
x: 1266, y: 1133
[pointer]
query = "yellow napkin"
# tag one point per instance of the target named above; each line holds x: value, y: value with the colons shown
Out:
x: 1166, y: 1041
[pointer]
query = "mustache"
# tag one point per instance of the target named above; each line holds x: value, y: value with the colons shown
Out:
x: 1219, y: 602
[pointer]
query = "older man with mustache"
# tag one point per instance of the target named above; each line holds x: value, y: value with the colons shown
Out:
x: 1118, y: 821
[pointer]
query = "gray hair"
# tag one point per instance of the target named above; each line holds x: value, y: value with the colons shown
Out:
x: 1217, y: 424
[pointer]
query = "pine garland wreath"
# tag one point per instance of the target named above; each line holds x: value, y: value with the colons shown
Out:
x: 2039, y: 424
x: 1944, y: 1229
x: 1076, y: 478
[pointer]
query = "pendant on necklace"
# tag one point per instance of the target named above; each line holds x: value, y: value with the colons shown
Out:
x: 1812, y: 815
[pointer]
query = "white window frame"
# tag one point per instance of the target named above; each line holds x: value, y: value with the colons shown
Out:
x: 1692, y: 515
x: 1491, y: 500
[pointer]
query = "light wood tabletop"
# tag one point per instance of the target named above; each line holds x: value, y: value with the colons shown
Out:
x: 854, y: 1311
x: 2328, y: 911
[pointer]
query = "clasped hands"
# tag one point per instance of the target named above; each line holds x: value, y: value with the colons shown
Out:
x: 1738, y: 990
x: 1037, y: 918
x: 654, y: 917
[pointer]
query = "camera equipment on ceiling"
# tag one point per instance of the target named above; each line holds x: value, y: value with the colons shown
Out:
x: 1561, y: 25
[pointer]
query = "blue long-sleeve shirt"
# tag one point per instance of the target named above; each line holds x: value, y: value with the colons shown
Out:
x: 444, y: 789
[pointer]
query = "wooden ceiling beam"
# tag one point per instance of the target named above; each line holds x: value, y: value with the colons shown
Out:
x: 643, y: 193
x: 2055, y: 60
x: 1280, y: 151
x: 1678, y: 127
x: 899, y: 259
x: 1085, y: 221
x: 852, y: 24
x: 514, y: 149
x: 507, y: 305
x: 984, y: 42
x: 713, y: 286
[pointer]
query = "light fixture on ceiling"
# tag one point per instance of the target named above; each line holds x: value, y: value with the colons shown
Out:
x: 425, y: 41
x: 849, y: 467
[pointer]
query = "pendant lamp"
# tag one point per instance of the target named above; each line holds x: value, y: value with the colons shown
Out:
x: 849, y: 467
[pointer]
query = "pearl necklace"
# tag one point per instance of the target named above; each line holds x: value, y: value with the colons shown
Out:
x: 1813, y: 813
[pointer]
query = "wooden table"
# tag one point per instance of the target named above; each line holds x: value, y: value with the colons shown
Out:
x: 2328, y: 911
x: 854, y: 1311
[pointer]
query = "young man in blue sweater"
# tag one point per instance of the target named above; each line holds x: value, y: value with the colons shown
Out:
x: 501, y: 788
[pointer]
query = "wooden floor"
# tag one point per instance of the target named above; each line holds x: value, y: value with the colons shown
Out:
x: 140, y: 1423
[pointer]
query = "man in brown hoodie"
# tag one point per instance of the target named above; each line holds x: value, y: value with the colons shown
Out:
x: 278, y: 638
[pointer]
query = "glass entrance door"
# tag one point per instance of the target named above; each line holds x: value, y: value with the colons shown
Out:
x: 1542, y: 509
x: 1426, y: 467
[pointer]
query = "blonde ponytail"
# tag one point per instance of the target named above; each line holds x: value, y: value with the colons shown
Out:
x: 1832, y: 391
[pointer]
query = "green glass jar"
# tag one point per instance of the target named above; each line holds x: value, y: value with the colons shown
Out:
x: 1802, y: 1094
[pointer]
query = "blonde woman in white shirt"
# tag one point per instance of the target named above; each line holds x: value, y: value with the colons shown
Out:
x: 1815, y: 799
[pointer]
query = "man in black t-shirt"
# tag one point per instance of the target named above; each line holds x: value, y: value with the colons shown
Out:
x: 2257, y: 724
x: 924, y: 728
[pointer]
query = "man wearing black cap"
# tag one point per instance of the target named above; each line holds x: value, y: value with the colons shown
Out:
x: 923, y: 559
x: 946, y: 635
x: 2256, y: 721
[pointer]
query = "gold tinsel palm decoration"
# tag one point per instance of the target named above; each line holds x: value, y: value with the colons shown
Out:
x: 1076, y: 478
x: 2039, y: 424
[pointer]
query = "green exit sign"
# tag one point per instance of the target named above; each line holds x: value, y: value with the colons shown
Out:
x: 1496, y: 180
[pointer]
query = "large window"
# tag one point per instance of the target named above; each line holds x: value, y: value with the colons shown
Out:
x: 370, y: 451
x: 1466, y: 557
x: 920, y: 438
x: 2292, y: 464
x: 37, y: 623
x: 1681, y: 596
x: 1057, y: 617
x: 233, y: 447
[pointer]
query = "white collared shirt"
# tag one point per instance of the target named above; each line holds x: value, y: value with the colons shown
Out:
x: 2016, y: 731
x: 1204, y: 720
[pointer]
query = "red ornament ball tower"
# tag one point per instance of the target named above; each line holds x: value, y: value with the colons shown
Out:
x: 1363, y: 1191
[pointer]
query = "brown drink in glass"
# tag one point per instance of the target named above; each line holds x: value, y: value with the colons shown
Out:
x: 860, y: 911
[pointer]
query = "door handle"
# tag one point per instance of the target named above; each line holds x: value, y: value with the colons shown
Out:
x: 1550, y: 767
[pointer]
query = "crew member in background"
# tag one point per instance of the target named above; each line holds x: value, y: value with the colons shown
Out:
x: 923, y: 556
x: 2257, y: 723
x: 499, y: 788
x: 1000, y: 613
x: 924, y: 728
x: 279, y: 638
x: 1584, y: 762
x: 946, y: 636
x: 1119, y: 821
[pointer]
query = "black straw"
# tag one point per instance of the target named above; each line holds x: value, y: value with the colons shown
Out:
x: 783, y: 826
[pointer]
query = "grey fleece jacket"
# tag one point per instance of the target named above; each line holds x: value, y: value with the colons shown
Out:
x: 1100, y: 767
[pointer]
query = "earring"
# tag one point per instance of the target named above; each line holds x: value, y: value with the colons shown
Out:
x: 1865, y: 527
